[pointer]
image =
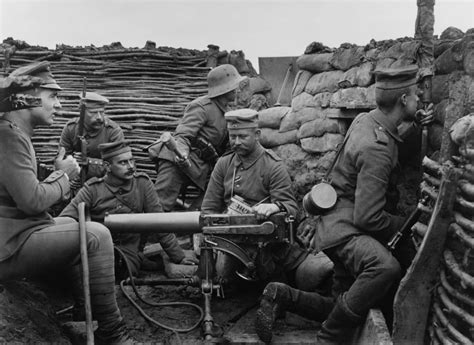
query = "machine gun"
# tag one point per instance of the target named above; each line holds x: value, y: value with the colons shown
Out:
x: 221, y: 232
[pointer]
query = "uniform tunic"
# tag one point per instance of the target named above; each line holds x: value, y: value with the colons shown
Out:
x: 254, y: 178
x: 23, y: 199
x: 105, y: 195
x: 361, y: 177
x: 110, y: 132
x: 204, y: 118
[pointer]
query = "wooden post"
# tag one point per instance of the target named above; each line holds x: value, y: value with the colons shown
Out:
x: 413, y: 298
x: 85, y: 272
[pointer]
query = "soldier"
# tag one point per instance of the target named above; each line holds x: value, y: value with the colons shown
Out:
x: 32, y: 243
x: 354, y: 233
x: 201, y: 136
x: 259, y: 177
x: 98, y: 129
x: 123, y: 190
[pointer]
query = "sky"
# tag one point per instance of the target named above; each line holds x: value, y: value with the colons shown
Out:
x: 260, y: 28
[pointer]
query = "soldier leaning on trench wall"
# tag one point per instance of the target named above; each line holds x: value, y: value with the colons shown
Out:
x: 334, y: 85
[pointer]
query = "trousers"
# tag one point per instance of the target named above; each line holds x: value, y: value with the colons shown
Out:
x: 56, y: 249
x: 169, y: 183
x: 364, y: 272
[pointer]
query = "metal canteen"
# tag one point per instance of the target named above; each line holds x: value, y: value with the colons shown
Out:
x: 320, y: 199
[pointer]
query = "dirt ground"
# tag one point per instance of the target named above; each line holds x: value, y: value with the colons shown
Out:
x: 28, y: 313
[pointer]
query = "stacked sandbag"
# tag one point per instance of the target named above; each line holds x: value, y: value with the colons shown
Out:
x: 333, y: 86
x: 453, y: 86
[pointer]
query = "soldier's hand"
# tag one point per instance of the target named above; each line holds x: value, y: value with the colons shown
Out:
x: 75, y: 184
x: 424, y: 117
x: 67, y: 164
x: 190, y: 258
x: 306, y: 235
x: 182, y: 163
x: 78, y: 157
x: 265, y: 210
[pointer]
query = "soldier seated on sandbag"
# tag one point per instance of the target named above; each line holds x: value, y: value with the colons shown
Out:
x: 32, y: 243
x: 259, y: 177
x: 97, y: 129
x: 123, y: 190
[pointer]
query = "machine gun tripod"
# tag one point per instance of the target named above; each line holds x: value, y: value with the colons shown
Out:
x: 221, y: 232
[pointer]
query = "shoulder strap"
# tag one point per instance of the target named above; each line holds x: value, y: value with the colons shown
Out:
x: 339, y: 150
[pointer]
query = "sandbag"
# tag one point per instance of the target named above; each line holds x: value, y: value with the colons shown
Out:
x: 304, y: 100
x: 309, y: 114
x: 357, y: 76
x: 439, y: 111
x: 289, y: 122
x: 354, y: 98
x: 301, y: 80
x: 324, y: 82
x: 462, y: 131
x: 458, y: 57
x: 440, y: 88
x: 319, y: 127
x: 345, y: 58
x: 315, y: 63
x: 271, y: 137
x: 402, y: 50
x: 271, y: 117
x: 323, y: 99
x: 327, y: 142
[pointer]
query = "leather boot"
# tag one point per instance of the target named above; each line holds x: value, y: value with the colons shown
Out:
x: 278, y: 298
x: 340, y: 325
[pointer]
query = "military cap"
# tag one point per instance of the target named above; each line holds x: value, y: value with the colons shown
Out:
x: 40, y: 70
x: 396, y: 78
x: 109, y: 150
x: 241, y: 118
x: 94, y: 100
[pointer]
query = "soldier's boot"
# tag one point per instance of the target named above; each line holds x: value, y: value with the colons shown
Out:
x: 340, y: 325
x: 278, y: 298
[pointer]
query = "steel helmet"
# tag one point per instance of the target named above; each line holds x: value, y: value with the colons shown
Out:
x: 223, y: 79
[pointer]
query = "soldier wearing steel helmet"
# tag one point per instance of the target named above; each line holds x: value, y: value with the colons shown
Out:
x: 201, y: 136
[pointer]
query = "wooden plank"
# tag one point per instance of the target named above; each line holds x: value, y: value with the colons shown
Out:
x: 413, y: 297
x: 374, y: 331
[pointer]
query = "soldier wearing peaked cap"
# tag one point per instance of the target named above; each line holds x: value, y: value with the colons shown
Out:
x: 354, y: 233
x: 201, y: 136
x: 122, y: 190
x: 31, y: 241
x: 98, y: 129
x: 258, y: 177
